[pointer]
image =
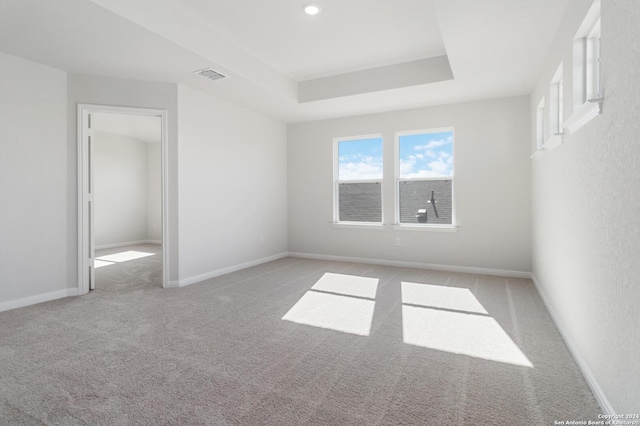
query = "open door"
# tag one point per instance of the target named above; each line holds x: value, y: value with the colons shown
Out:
x: 86, y: 224
x: 85, y: 196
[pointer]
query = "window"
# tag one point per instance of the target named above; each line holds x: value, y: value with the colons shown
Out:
x: 592, y: 66
x: 424, y: 178
x: 553, y: 136
x: 358, y: 180
x: 586, y: 61
x: 556, y: 103
x: 540, y: 128
x: 587, y: 90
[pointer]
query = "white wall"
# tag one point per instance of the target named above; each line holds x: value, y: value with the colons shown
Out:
x: 233, y: 185
x: 492, y: 188
x: 33, y: 179
x: 154, y: 192
x: 129, y: 93
x: 586, y: 209
x: 127, y: 189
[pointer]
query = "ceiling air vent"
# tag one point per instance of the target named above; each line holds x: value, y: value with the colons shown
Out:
x: 211, y: 74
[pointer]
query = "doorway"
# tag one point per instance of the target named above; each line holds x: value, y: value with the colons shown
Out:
x: 122, y: 207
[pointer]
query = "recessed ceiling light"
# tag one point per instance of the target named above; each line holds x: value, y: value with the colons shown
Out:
x: 311, y: 9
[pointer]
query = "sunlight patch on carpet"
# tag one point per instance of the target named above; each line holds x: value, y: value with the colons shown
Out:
x: 124, y: 256
x: 337, y: 302
x: 451, y: 319
x: 97, y: 263
x: 349, y: 285
x: 436, y: 296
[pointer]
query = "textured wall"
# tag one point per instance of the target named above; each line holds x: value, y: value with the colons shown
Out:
x: 492, y: 188
x: 586, y: 209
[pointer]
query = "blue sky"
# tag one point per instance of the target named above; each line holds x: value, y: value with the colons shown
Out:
x: 421, y: 156
x: 360, y: 159
x: 426, y: 155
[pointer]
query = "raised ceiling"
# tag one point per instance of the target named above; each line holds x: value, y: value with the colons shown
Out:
x: 273, y: 53
x: 347, y: 36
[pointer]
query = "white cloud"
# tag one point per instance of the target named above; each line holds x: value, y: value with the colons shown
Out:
x: 442, y: 166
x: 433, y: 144
x: 429, y: 150
x: 364, y: 168
x: 406, y: 167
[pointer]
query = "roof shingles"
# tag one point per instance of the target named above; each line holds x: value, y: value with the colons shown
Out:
x: 362, y: 202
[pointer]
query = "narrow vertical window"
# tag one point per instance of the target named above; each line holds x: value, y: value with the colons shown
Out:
x: 540, y: 129
x: 560, y: 103
x: 358, y: 180
x: 587, y: 82
x: 556, y: 103
x: 586, y: 58
x: 593, y: 62
x: 424, y: 178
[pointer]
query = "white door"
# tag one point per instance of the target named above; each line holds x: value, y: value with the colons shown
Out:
x: 87, y: 198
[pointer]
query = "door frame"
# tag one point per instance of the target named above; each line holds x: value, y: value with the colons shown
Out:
x: 85, y: 243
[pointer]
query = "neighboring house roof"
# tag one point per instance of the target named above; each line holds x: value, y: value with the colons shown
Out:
x: 415, y: 195
x: 361, y: 202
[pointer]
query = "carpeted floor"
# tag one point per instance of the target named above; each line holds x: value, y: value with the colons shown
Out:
x: 479, y: 350
x: 115, y: 273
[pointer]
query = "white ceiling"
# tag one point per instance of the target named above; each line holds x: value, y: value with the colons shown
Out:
x: 346, y: 36
x: 143, y: 128
x: 495, y: 48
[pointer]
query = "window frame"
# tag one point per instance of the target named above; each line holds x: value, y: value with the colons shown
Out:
x: 556, y: 103
x: 541, y: 128
x: 587, y: 83
x: 554, y: 133
x: 336, y: 182
x: 397, y: 179
x: 592, y: 66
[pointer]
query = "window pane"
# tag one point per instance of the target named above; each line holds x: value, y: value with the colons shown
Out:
x: 360, y: 202
x: 560, y: 105
x: 360, y: 159
x: 540, y: 130
x: 426, y: 155
x: 415, y: 205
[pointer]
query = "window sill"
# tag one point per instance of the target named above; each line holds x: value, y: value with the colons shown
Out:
x: 356, y: 225
x: 553, y: 142
x: 537, y: 155
x: 427, y: 228
x: 583, y: 115
x: 549, y: 145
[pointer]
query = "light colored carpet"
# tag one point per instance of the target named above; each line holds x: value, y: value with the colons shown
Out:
x: 118, y: 274
x: 219, y: 352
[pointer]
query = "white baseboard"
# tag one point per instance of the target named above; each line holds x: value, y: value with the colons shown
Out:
x: 127, y: 243
x: 45, y: 297
x: 212, y: 274
x: 38, y: 298
x: 437, y: 267
x: 598, y: 393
